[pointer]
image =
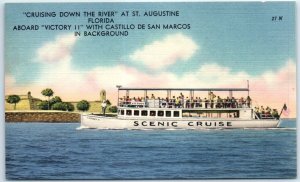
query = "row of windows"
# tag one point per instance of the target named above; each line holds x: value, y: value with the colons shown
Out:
x: 150, y: 113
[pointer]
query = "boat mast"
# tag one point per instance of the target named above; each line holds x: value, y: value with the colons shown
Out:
x: 118, y: 86
x: 248, y: 87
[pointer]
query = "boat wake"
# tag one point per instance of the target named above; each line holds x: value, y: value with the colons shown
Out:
x: 198, y: 129
x: 82, y: 127
x: 270, y: 128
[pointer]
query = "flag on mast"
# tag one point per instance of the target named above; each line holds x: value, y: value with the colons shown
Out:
x: 285, y: 111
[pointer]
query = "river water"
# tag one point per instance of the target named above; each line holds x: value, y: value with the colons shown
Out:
x: 39, y: 151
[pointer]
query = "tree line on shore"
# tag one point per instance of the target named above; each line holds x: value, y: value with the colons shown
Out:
x: 56, y: 103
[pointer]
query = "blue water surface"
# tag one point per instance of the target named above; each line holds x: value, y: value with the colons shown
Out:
x: 60, y: 151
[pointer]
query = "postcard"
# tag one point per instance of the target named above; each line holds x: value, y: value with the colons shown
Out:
x: 150, y: 90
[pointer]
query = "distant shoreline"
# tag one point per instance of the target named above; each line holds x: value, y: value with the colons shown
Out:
x: 44, y: 116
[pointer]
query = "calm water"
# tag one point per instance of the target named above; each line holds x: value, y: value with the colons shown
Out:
x: 59, y: 151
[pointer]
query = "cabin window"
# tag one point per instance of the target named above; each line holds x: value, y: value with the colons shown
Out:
x: 136, y: 112
x: 176, y: 113
x: 152, y: 113
x: 168, y: 113
x: 160, y: 113
x: 128, y: 112
x: 144, y: 113
x: 122, y: 112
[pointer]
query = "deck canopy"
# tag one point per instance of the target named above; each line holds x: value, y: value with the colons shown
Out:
x: 190, y: 90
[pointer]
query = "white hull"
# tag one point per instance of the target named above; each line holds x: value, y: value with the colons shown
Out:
x: 100, y: 122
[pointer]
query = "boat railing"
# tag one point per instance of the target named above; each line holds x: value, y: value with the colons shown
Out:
x: 263, y: 116
x: 208, y: 104
x: 133, y: 104
x: 266, y: 116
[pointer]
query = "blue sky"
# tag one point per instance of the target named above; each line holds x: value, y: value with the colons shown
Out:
x: 226, y: 40
x: 237, y: 35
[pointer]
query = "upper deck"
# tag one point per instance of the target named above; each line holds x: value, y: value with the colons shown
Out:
x: 189, y: 106
x: 212, y: 101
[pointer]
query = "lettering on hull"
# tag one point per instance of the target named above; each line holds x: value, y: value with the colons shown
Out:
x: 189, y: 124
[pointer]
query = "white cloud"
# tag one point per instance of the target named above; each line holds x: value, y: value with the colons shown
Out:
x: 57, y: 50
x: 165, y: 52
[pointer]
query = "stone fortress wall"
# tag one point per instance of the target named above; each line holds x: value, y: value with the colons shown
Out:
x: 42, y: 116
x: 28, y: 102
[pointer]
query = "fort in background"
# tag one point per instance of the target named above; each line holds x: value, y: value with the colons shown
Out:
x: 27, y: 110
x: 30, y: 103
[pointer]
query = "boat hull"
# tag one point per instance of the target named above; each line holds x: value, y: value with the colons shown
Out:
x: 101, y: 122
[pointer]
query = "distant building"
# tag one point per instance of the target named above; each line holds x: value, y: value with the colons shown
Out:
x: 27, y: 102
x: 102, y: 95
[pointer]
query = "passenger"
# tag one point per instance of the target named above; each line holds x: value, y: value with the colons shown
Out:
x: 139, y: 99
x: 219, y: 102
x: 275, y: 114
x: 224, y: 103
x: 262, y: 111
x: 177, y: 103
x: 240, y: 102
x: 210, y: 95
x: 173, y: 102
x: 211, y: 103
x: 231, y: 102
x: 268, y: 111
x: 187, y: 102
x: 103, y: 105
x: 243, y: 102
x: 193, y: 102
x: 197, y: 102
x: 256, y: 109
x: 128, y: 100
x: 181, y: 100
x: 215, y: 102
x: 146, y: 101
x: 234, y: 103
x: 159, y: 102
x: 181, y: 95
x: 200, y: 102
x: 152, y: 96
x: 227, y: 101
x: 248, y: 101
x: 206, y: 102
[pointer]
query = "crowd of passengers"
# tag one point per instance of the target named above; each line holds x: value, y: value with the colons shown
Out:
x: 266, y: 113
x: 212, y: 101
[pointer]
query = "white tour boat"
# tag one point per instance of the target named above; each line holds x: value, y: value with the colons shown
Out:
x: 190, y: 113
